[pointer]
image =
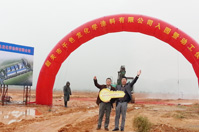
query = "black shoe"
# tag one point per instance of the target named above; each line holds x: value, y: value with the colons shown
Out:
x: 116, y: 129
x: 122, y: 129
x: 98, y: 128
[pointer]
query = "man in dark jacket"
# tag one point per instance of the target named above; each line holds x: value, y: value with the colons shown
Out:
x: 67, y: 93
x: 121, y: 103
x: 104, y: 107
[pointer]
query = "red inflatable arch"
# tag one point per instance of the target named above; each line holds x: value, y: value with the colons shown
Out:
x: 114, y: 23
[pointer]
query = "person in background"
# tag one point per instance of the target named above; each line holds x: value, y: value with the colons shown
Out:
x: 67, y: 93
x: 104, y: 107
x: 121, y: 103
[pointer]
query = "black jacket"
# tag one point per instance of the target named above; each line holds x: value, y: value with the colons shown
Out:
x: 128, y: 88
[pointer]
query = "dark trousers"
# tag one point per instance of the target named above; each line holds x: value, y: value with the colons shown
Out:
x: 65, y: 103
x: 104, y: 108
x: 66, y: 99
x: 121, y: 108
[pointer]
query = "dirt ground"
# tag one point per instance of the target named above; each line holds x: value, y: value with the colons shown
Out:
x: 82, y: 114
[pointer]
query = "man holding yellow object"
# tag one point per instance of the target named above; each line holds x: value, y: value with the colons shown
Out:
x: 104, y: 107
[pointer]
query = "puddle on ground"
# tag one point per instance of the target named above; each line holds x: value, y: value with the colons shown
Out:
x: 137, y: 108
x: 185, y: 103
x: 8, y: 117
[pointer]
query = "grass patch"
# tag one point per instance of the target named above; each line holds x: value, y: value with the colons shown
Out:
x: 179, y: 116
x: 182, y: 106
x: 142, y: 124
x: 183, y: 114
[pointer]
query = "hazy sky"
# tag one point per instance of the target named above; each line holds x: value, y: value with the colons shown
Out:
x: 42, y: 23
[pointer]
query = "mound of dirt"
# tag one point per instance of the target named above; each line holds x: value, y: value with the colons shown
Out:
x: 1, y: 124
x: 166, y: 128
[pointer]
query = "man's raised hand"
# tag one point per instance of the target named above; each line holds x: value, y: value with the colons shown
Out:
x: 95, y: 78
x: 139, y: 72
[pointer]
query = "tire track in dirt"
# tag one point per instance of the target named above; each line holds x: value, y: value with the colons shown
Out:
x: 83, y: 126
x: 89, y: 124
x: 51, y: 122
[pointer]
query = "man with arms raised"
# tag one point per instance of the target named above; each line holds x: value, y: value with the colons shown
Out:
x: 121, y: 103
